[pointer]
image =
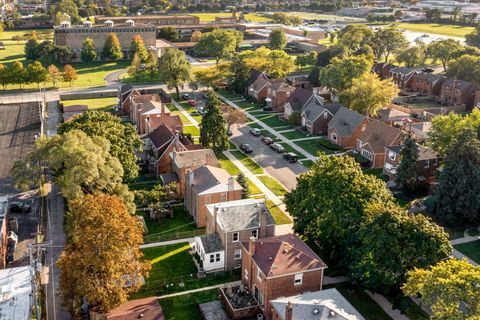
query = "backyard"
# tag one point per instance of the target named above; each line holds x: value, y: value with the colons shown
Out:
x: 99, y: 104
x: 186, y: 307
x: 180, y: 222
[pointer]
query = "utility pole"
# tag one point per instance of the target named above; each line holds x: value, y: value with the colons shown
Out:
x: 35, y: 268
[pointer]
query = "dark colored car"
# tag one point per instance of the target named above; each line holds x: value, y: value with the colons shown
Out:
x: 246, y: 148
x: 277, y: 148
x: 255, y: 132
x: 290, y: 157
x: 266, y: 140
x: 19, y: 207
x: 185, y: 96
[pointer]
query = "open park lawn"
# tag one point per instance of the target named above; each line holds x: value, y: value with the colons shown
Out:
x: 14, y: 49
x: 470, y: 249
x: 186, y: 307
x: 209, y: 17
x: 99, y: 104
x: 443, y: 29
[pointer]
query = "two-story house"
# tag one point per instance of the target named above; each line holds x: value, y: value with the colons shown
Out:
x: 254, y: 76
x: 315, y: 117
x: 403, y: 76
x: 280, y: 266
x: 206, y: 185
x: 173, y: 122
x: 233, y: 222
x: 455, y: 92
x: 382, y: 69
x: 345, y: 127
x: 259, y: 89
x: 427, y: 84
x: 278, y: 94
x: 372, y: 142
x: 393, y: 116
x: 298, y: 100
x: 125, y: 95
x: 141, y: 110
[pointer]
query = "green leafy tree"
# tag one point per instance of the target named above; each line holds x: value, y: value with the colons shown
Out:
x: 388, y: 41
x: 213, y: 128
x: 307, y: 59
x: 449, y: 288
x: 243, y: 183
x: 219, y: 44
x: 368, y: 94
x: 88, y: 53
x: 393, y: 243
x: 456, y: 12
x: 151, y: 198
x: 36, y: 73
x: 407, y: 173
x: 54, y: 74
x: 295, y: 118
x: 354, y: 37
x: 168, y: 33
x: 212, y: 76
x: 473, y: 38
x: 338, y: 75
x: 31, y: 47
x: 123, y: 138
x: 174, y: 69
x: 69, y: 74
x: 138, y: 47
x: 443, y: 50
x: 466, y: 67
x: 277, y: 40
x: 17, y: 73
x: 332, y: 221
x: 4, y: 76
x: 112, y: 48
x: 70, y: 8
x: 458, y: 195
x: 413, y: 57
x: 134, y: 69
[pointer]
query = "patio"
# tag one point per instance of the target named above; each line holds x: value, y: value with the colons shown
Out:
x: 239, y: 302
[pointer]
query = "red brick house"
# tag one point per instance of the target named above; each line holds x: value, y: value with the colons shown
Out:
x: 280, y: 266
x: 298, y: 100
x: 402, y: 76
x: 254, y: 76
x: 457, y: 93
x: 126, y: 93
x: 315, y: 117
x: 259, y: 89
x: 427, y: 84
x: 153, y: 121
x: 345, y: 127
x: 278, y: 93
x: 372, y: 142
x: 382, y: 69
x: 142, y: 107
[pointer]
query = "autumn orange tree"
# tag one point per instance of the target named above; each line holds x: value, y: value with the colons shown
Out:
x: 102, y: 261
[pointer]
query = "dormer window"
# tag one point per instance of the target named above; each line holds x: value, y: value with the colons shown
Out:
x: 255, y: 233
x: 392, y: 155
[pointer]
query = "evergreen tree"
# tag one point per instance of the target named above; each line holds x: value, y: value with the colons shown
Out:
x: 138, y: 47
x: 243, y: 182
x: 31, y: 47
x: 213, y: 130
x: 407, y: 175
x: 112, y: 48
x: 458, y: 196
x: 88, y: 53
x: 36, y: 73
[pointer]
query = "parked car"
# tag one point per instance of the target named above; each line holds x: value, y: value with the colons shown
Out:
x: 277, y: 148
x: 290, y: 157
x: 185, y: 96
x: 255, y: 132
x: 200, y: 110
x: 205, y: 95
x: 245, y: 147
x: 266, y: 140
x: 19, y: 207
x: 192, y: 103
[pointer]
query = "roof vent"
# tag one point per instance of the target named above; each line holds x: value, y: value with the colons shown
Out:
x: 316, y: 311
x: 270, y: 258
x: 130, y: 23
x: 316, y: 302
x: 65, y: 24
x: 333, y: 314
x: 109, y: 23
x: 285, y: 251
x: 87, y: 24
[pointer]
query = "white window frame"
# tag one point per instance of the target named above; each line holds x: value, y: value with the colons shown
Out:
x: 367, y: 154
x: 235, y: 235
x: 237, y: 254
x: 298, y: 279
x: 325, y: 115
x: 334, y: 136
x: 245, y: 272
x: 211, y: 256
x: 427, y: 163
x: 217, y: 257
x: 254, y: 233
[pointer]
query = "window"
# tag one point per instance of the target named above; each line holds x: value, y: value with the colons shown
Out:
x: 212, y: 258
x: 235, y: 237
x: 217, y: 257
x: 208, y: 199
x: 427, y: 163
x: 435, y: 162
x: 325, y: 115
x: 298, y: 279
x: 334, y: 136
x: 258, y: 296
x: 255, y: 233
x: 391, y: 155
x: 367, y: 154
x: 237, y: 254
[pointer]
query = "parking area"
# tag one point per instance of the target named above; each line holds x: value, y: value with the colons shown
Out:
x: 19, y: 126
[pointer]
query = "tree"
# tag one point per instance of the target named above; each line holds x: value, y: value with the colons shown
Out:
x: 4, y: 76
x: 138, y: 47
x: 407, y: 173
x: 473, y: 38
x: 368, y: 94
x: 449, y: 288
x: 36, y: 73
x: 112, y: 48
x: 338, y: 75
x: 456, y: 12
x: 393, y: 242
x: 31, y: 47
x: 103, y: 262
x: 174, y: 69
x: 168, y: 33
x: 70, y: 8
x: 277, y: 40
x: 307, y: 59
x: 243, y: 183
x: 88, y: 53
x: 232, y: 116
x: 213, y: 131
x: 54, y: 74
x: 332, y: 221
x: 151, y: 198
x: 123, y: 137
x: 458, y: 195
x: 443, y: 50
x: 295, y: 118
x: 413, y: 57
x: 355, y: 36
x: 212, y: 76
x: 387, y: 41
x: 17, y: 73
x: 466, y: 67
x: 134, y: 69
x: 69, y: 74
x: 219, y: 44
x: 196, y: 36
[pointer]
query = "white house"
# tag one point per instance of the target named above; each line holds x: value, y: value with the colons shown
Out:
x: 211, y: 252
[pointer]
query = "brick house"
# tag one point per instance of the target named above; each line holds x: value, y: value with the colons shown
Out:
x: 125, y: 94
x: 142, y: 107
x: 259, y: 89
x: 382, y: 69
x: 206, y: 185
x: 153, y: 121
x: 280, y: 266
x: 345, y: 127
x: 402, y: 76
x: 254, y: 76
x: 456, y: 93
x: 233, y: 222
x: 372, y: 142
x: 427, y: 84
x: 4, y: 215
x: 278, y: 93
x: 419, y: 130
x: 426, y: 166
x: 298, y: 100
x: 315, y: 117
x: 393, y: 116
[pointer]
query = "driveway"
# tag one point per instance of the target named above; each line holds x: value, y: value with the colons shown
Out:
x: 273, y: 163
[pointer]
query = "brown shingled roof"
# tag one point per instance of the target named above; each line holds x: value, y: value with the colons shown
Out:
x: 145, y: 309
x: 174, y: 123
x: 380, y: 135
x: 160, y: 136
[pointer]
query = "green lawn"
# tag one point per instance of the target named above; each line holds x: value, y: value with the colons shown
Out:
x: 247, y: 162
x: 229, y: 94
x: 443, y: 29
x: 180, y: 222
x: 321, y: 16
x: 470, y: 249
x: 315, y: 146
x: 272, y: 120
x: 253, y: 187
x: 14, y: 49
x: 377, y: 172
x: 273, y: 185
x: 292, y: 135
x: 193, y: 130
x: 100, y: 104
x: 186, y: 307
x: 228, y: 165
x: 278, y: 215
x: 308, y: 163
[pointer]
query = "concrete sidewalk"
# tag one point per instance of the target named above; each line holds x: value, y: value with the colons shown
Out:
x: 386, y: 306
x: 218, y: 286
x: 166, y: 243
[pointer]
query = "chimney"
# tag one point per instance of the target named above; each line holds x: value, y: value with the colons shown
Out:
x: 174, y: 159
x: 190, y: 177
x: 251, y: 246
x: 289, y: 311
x: 163, y: 110
x: 262, y: 219
x: 231, y: 184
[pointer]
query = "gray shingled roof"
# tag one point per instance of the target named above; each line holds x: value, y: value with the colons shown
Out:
x: 432, y: 78
x: 402, y: 70
x: 210, y: 179
x: 211, y: 243
x: 241, y: 214
x: 423, y: 153
x: 346, y: 121
x: 313, y: 110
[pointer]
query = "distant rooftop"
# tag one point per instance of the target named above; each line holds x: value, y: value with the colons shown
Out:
x: 15, y: 286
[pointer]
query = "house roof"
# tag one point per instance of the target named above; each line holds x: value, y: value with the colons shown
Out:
x: 435, y: 111
x: 299, y: 98
x: 211, y: 243
x: 279, y: 86
x: 241, y: 214
x: 146, y: 309
x: 173, y: 122
x: 259, y: 84
x: 193, y: 158
x: 209, y: 179
x: 346, y: 121
x: 160, y: 135
x: 16, y: 284
x: 432, y: 78
x: 313, y: 110
x: 255, y: 74
x: 379, y: 135
x: 458, y: 84
x: 423, y: 152
x: 284, y: 254
x: 317, y: 305
x: 146, y: 97
x: 402, y: 70
x: 421, y: 126
x: 388, y: 114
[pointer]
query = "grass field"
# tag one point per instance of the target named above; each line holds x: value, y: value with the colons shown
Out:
x: 186, y: 307
x: 209, y: 17
x: 442, y: 29
x: 470, y: 249
x: 228, y: 165
x: 181, y: 221
x: 100, y: 104
x: 14, y: 49
x: 278, y: 215
x: 247, y: 162
x: 273, y: 185
x: 329, y: 17
x: 254, y: 190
